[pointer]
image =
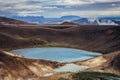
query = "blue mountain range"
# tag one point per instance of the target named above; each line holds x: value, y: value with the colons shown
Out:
x: 43, y: 20
x: 114, y: 20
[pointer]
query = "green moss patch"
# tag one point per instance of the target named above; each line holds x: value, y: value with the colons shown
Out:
x: 95, y: 76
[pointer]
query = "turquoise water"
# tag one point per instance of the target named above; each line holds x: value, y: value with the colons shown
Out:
x: 67, y: 68
x: 70, y: 68
x: 56, y: 54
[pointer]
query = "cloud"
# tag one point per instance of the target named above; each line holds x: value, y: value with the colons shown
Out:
x: 73, y: 2
x: 105, y: 1
x: 56, y: 8
x: 93, y: 14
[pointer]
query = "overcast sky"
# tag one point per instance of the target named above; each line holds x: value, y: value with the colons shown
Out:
x: 57, y: 8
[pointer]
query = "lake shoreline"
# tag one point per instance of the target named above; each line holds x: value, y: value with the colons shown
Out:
x: 63, y: 54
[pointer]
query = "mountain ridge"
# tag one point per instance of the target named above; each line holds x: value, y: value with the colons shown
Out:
x: 73, y: 18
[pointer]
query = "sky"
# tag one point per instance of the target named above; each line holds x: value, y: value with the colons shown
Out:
x: 57, y: 8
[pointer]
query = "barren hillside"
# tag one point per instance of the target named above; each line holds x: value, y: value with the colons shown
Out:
x: 87, y: 37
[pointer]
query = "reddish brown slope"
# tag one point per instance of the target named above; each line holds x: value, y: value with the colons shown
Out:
x: 4, y: 20
x: 88, y: 37
x: 68, y: 23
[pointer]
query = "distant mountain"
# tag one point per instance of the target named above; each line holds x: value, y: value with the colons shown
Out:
x: 115, y: 20
x: 107, y: 22
x: 43, y: 20
x: 86, y: 21
x: 68, y: 23
x: 97, y: 21
x: 29, y: 19
x: 70, y: 17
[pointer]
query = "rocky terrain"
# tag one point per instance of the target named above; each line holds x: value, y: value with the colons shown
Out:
x: 103, y: 39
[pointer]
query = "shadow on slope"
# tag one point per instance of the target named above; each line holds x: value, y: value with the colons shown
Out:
x: 95, y: 38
